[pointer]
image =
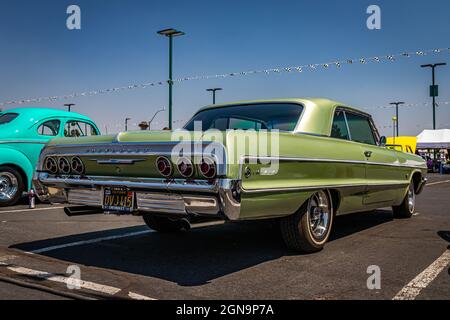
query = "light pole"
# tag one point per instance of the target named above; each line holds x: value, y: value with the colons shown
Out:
x: 126, y: 124
x: 170, y: 33
x: 396, y: 104
x: 154, y: 116
x: 213, y: 90
x: 394, y: 120
x: 69, y: 106
x: 434, y: 92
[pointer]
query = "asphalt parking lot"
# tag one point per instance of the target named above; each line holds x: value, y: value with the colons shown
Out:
x: 118, y: 257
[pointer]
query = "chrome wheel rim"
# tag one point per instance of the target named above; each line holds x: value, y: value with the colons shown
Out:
x: 8, y: 186
x: 319, y: 214
x: 411, y: 198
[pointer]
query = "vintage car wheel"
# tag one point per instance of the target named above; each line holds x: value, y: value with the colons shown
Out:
x: 162, y: 224
x: 308, y: 229
x: 11, y: 186
x: 406, y: 209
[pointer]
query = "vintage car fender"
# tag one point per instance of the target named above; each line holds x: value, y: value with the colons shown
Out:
x: 16, y: 159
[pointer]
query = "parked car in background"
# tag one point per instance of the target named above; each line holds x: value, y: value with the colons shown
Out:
x: 23, y: 134
x: 331, y: 161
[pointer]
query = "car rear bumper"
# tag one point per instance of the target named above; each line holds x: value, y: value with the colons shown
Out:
x: 217, y: 198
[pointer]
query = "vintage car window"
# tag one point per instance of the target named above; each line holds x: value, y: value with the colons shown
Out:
x: 245, y: 124
x: 49, y: 128
x: 76, y: 129
x: 279, y: 116
x: 7, y: 117
x: 360, y: 128
x: 339, y: 128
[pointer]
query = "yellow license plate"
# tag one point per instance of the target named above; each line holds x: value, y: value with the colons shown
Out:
x: 118, y: 199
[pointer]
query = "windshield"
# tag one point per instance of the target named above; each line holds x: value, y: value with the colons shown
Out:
x: 7, y: 117
x: 269, y: 116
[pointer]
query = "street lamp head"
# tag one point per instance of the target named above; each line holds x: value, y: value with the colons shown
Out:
x: 214, y: 89
x: 433, y: 65
x: 396, y: 103
x: 171, y: 32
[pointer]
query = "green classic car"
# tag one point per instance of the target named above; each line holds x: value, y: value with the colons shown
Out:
x: 298, y: 161
x: 23, y: 134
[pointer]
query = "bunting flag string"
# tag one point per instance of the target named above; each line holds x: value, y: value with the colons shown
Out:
x: 289, y: 69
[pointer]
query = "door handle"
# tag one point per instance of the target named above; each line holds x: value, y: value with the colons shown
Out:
x: 368, y: 154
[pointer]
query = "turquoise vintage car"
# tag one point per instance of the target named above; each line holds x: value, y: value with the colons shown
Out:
x: 23, y: 134
x: 298, y: 161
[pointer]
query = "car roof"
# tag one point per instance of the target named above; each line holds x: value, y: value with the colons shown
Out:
x: 43, y: 113
x: 320, y: 102
x: 318, y: 111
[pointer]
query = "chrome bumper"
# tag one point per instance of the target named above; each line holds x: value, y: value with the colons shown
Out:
x: 181, y: 197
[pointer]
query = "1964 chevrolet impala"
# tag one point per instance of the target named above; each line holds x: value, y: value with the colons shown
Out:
x: 301, y: 161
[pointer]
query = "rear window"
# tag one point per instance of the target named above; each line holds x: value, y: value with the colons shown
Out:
x: 7, y: 117
x: 279, y: 116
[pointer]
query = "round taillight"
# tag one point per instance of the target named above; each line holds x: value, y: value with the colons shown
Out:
x: 77, y: 165
x: 207, y: 168
x: 164, y: 166
x: 64, y: 165
x: 185, y: 167
x: 50, y: 165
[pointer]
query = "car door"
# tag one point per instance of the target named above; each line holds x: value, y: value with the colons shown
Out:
x: 355, y: 172
x: 383, y: 175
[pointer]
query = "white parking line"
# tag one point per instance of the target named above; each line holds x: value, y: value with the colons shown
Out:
x: 439, y: 182
x: 119, y: 236
x: 412, y: 289
x: 105, y: 289
x: 80, y: 243
x: 26, y: 210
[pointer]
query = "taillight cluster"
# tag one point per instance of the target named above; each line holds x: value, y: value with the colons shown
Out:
x: 64, y: 165
x: 186, y: 168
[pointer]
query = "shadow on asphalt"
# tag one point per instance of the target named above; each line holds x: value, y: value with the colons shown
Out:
x: 196, y: 257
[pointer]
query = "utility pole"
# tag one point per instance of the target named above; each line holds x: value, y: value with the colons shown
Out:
x: 69, y: 106
x: 213, y: 90
x: 170, y: 33
x: 126, y: 124
x: 396, y: 104
x: 434, y: 89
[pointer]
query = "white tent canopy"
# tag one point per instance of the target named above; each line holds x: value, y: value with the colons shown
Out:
x: 434, y: 139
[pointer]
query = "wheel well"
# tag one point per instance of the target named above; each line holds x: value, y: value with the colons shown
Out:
x: 335, y: 198
x: 20, y: 170
x: 416, y: 179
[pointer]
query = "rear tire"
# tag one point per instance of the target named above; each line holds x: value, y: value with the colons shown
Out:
x: 406, y: 209
x: 309, y: 229
x: 11, y: 186
x: 162, y: 224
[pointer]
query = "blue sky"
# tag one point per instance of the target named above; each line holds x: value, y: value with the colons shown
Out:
x: 118, y: 45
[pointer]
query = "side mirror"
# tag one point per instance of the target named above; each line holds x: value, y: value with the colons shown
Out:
x: 383, y: 141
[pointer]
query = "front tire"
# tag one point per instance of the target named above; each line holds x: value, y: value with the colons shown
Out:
x: 162, y: 224
x: 11, y: 186
x: 309, y: 229
x: 406, y: 209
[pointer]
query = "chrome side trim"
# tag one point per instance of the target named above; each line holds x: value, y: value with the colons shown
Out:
x: 321, y: 160
x: 321, y: 187
x: 22, y: 141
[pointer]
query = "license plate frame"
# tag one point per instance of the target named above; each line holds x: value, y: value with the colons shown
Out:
x: 118, y: 199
